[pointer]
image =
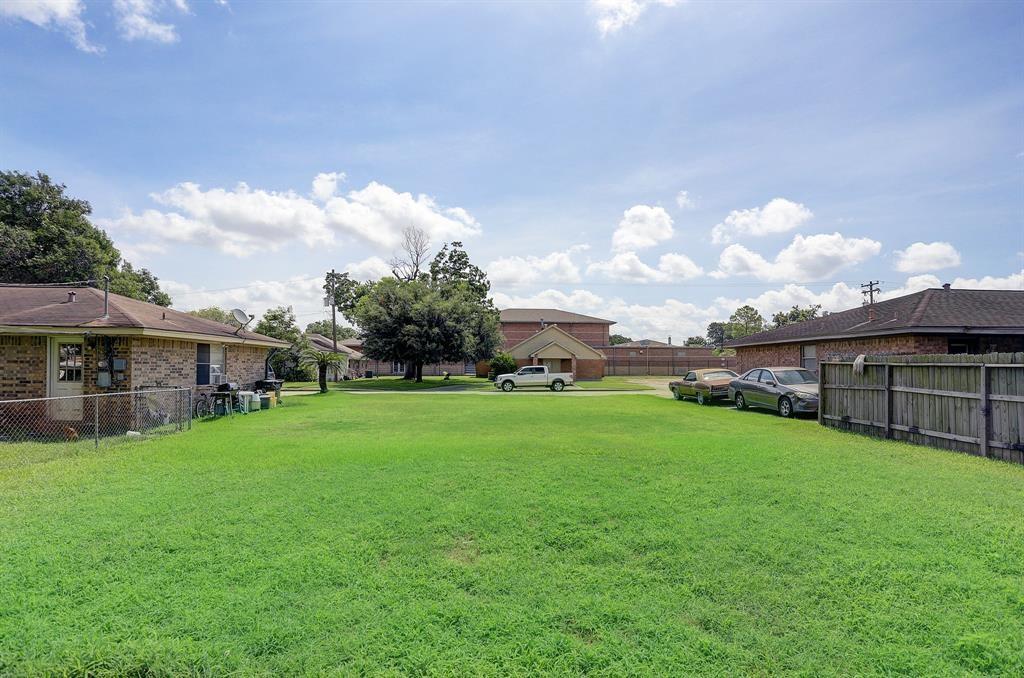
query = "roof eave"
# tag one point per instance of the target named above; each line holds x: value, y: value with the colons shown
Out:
x: 951, y: 329
x: 140, y: 331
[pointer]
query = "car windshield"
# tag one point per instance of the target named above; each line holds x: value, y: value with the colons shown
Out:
x: 791, y: 377
x: 721, y: 374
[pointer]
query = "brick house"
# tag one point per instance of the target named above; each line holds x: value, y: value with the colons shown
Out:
x: 575, y: 345
x: 396, y: 368
x: 940, y: 320
x: 66, y: 341
x: 352, y: 359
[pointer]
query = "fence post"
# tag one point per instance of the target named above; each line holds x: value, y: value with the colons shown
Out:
x: 887, y: 381
x: 821, y: 395
x: 96, y: 420
x: 984, y: 424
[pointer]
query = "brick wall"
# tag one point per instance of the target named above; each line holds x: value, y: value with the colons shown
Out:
x: 22, y: 367
x: 592, y: 334
x: 245, y: 364
x: 750, y: 357
x: 162, y: 362
x: 902, y: 344
x: 94, y: 350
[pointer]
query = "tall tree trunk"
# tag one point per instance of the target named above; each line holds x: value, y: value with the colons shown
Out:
x: 410, y: 370
x: 322, y: 373
x: 419, y: 372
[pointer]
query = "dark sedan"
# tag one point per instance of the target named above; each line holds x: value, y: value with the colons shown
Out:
x: 787, y: 390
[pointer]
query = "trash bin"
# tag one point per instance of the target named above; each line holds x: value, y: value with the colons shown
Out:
x: 369, y: 374
x: 264, y: 402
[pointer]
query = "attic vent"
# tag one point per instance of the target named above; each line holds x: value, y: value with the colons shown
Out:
x: 71, y: 296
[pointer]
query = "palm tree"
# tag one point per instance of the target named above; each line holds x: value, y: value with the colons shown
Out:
x: 321, y: 360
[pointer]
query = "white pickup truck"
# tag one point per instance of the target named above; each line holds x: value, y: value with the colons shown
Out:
x: 533, y: 375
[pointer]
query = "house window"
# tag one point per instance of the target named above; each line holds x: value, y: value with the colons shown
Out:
x: 210, y: 364
x: 809, y: 357
x: 397, y: 367
x: 70, y: 364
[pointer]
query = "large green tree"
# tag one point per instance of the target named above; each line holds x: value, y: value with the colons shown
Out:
x: 215, y: 313
x: 421, y: 317
x: 718, y: 334
x: 796, y: 315
x: 744, y: 321
x: 279, y: 322
x: 696, y: 341
x: 324, y: 327
x: 47, y: 238
x: 617, y: 339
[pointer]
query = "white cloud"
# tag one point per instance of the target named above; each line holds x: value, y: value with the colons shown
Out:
x: 62, y: 15
x: 1013, y: 281
x: 556, y: 267
x: 684, y: 201
x: 778, y: 216
x: 325, y: 185
x: 627, y: 267
x: 136, y: 20
x: 812, y: 257
x: 303, y: 294
x: 680, y: 319
x: 920, y: 257
x: 614, y: 15
x: 371, y: 268
x: 642, y: 226
x: 679, y: 266
x: 243, y: 220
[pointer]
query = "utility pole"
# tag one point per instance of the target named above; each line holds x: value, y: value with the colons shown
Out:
x: 334, y: 315
x: 869, y: 290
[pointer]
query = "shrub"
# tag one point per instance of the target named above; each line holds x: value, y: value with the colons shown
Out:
x: 503, y: 363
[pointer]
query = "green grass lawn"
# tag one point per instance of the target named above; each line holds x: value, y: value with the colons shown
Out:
x: 390, y: 384
x: 459, y: 534
x: 615, y: 384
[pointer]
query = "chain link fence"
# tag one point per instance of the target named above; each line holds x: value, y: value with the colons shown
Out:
x: 37, y: 429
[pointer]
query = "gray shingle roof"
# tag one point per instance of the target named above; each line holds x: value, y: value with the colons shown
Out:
x: 929, y: 311
x: 548, y: 315
x: 49, y: 307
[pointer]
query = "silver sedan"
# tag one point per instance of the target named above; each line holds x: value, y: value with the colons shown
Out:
x: 787, y: 390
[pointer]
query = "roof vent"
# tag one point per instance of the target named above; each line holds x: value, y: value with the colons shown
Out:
x: 946, y: 286
x: 871, y: 313
x: 71, y: 296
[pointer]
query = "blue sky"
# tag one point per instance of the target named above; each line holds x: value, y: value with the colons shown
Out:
x: 656, y: 163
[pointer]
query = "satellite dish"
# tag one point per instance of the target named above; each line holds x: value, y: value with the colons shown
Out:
x: 240, y: 316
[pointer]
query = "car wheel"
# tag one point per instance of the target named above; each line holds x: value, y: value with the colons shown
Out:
x: 557, y: 386
x: 677, y: 395
x: 507, y: 386
x: 702, y: 399
x: 785, y: 407
x: 741, y: 402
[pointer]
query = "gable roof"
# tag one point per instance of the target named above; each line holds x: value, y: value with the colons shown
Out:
x: 548, y: 315
x: 322, y: 343
x: 930, y: 311
x: 30, y: 308
x: 553, y: 334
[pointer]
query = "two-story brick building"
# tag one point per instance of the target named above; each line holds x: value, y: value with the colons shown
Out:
x: 67, y: 341
x: 940, y: 320
x: 562, y: 340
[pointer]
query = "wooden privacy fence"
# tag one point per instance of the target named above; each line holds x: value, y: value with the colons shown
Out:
x: 971, y: 403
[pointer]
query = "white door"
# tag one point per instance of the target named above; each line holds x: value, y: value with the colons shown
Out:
x: 66, y: 378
